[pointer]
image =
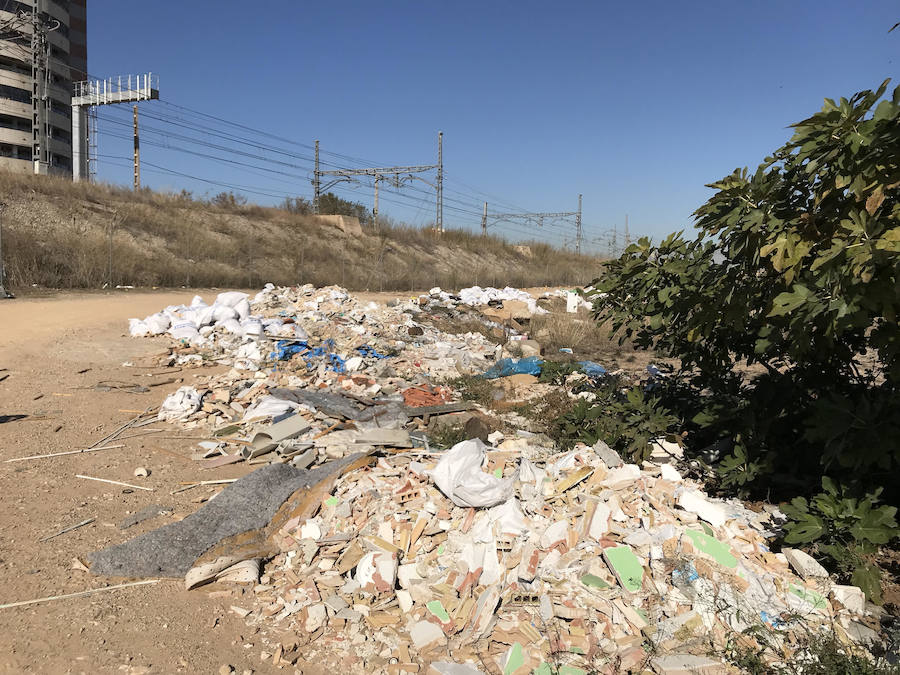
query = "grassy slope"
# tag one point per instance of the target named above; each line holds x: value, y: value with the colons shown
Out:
x: 57, y: 234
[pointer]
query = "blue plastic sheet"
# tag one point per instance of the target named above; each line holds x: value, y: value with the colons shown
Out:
x: 312, y: 356
x: 506, y: 367
x: 366, y: 350
x: 592, y: 369
x: 285, y: 349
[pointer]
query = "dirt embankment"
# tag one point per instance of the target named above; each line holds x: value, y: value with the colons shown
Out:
x: 60, y: 234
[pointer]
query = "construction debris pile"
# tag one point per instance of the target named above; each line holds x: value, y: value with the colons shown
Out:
x: 499, y: 555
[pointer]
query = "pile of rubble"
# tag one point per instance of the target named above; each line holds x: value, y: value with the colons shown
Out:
x: 502, y: 556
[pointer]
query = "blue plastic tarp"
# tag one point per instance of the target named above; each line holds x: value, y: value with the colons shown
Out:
x: 592, y: 369
x: 506, y: 367
x: 285, y: 349
x: 366, y: 350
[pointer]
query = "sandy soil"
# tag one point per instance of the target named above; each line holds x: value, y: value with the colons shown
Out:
x: 53, y: 351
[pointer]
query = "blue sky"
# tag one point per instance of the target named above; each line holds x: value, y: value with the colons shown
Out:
x: 634, y: 105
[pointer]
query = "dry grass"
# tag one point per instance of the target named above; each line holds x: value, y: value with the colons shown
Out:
x: 59, y: 234
x: 587, y: 339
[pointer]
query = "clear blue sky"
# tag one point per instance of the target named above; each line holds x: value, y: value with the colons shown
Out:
x: 635, y: 105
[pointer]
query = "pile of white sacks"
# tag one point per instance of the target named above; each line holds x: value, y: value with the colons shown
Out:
x: 194, y: 323
x: 476, y: 295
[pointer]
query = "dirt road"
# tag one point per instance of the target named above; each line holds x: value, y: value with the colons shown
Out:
x: 53, y: 352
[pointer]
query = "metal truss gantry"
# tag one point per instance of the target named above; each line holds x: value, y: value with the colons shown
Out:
x: 534, y: 219
x: 396, y: 176
x: 86, y: 97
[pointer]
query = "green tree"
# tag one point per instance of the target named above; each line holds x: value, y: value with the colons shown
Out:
x: 228, y: 200
x: 794, y: 267
x: 297, y: 205
x: 331, y: 204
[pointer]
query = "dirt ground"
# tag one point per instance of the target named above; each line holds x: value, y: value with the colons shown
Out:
x: 54, y: 349
x: 53, y: 352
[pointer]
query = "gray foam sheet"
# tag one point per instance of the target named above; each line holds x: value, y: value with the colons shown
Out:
x: 247, y: 504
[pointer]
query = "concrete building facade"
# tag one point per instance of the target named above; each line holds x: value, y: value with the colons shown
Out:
x: 36, y: 76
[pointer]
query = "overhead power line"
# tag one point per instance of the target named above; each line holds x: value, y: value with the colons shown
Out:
x: 216, y: 139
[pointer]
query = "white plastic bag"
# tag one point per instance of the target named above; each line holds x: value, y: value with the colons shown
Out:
x: 180, y: 404
x: 459, y: 476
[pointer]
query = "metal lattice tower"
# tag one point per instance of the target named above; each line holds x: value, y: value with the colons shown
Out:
x: 397, y: 176
x: 535, y: 220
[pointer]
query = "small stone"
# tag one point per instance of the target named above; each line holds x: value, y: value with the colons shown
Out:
x: 609, y: 456
x: 316, y: 617
x: 404, y: 599
x: 336, y: 603
x: 554, y: 534
x: 141, y: 472
x: 622, y: 477
x: 476, y: 427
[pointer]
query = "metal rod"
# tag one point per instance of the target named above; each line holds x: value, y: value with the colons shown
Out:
x: 316, y: 183
x: 439, y: 223
x: 3, y: 292
x: 578, y: 227
x: 137, y: 150
x: 80, y: 594
x: 68, y: 529
x: 67, y: 452
x: 114, y: 482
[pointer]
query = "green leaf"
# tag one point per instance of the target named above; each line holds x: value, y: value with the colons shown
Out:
x: 877, y: 525
x: 805, y: 530
x: 868, y: 578
x: 785, y: 303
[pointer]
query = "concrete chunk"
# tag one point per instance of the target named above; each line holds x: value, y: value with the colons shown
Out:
x: 426, y: 635
x: 851, y: 597
x: 694, y: 502
x: 609, y: 456
x: 804, y: 564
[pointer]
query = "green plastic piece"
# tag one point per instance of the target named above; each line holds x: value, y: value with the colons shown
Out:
x: 810, y: 596
x: 593, y: 581
x: 707, y: 529
x: 332, y: 501
x: 712, y: 547
x: 627, y: 567
x: 543, y: 669
x: 498, y: 472
x: 516, y: 659
x: 436, y: 608
x: 571, y: 670
x: 441, y: 549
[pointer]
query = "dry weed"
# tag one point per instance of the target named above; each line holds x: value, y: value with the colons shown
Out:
x: 59, y: 234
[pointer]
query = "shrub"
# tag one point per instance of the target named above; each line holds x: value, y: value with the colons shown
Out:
x: 795, y: 270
